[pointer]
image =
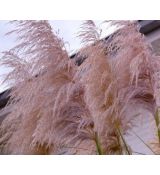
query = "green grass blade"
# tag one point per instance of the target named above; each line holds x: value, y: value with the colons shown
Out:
x: 124, y: 142
x: 98, y: 145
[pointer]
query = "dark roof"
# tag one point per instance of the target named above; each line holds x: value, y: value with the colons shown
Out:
x: 147, y: 26
x: 4, y: 97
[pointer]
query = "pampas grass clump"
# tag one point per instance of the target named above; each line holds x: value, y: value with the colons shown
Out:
x: 61, y: 108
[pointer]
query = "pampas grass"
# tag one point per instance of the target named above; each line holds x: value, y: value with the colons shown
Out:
x: 61, y: 108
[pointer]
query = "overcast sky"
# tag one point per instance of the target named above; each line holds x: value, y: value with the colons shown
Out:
x: 67, y: 30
